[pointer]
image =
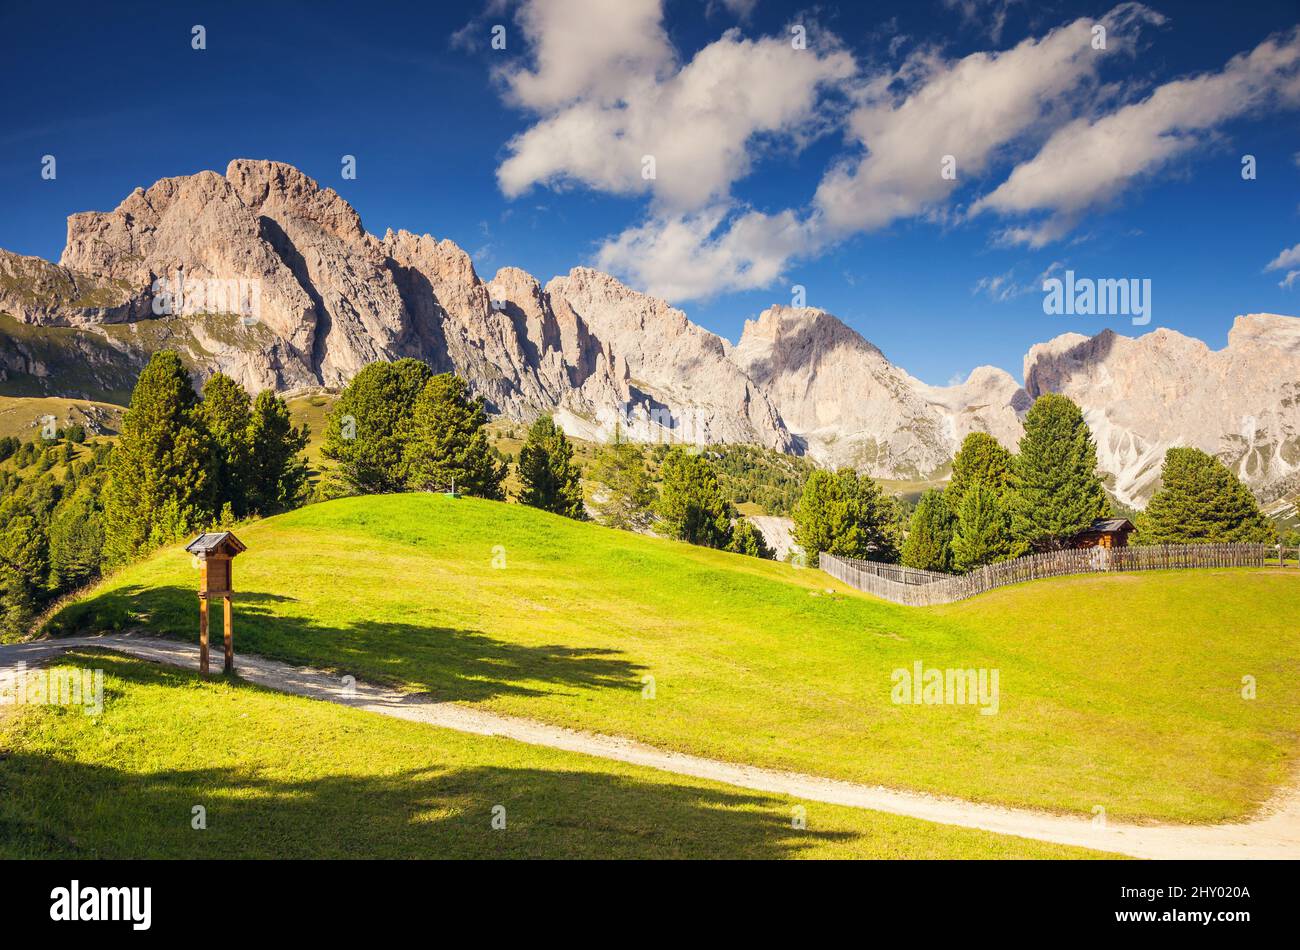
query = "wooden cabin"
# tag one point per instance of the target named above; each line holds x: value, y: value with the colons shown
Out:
x: 1104, y: 533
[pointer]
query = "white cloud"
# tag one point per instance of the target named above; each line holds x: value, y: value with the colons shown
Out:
x: 607, y: 87
x: 1288, y: 258
x: 608, y: 91
x: 688, y: 256
x: 969, y: 109
x: 999, y: 288
x: 740, y: 9
x: 1003, y: 287
x: 588, y: 50
x: 989, y: 14
x: 1091, y: 161
x: 904, y: 122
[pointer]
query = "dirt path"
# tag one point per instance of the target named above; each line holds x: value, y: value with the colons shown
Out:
x: 1274, y: 834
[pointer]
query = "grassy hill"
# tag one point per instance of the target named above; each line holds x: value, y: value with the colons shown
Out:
x: 1119, y: 691
x: 282, y: 777
x: 23, y: 417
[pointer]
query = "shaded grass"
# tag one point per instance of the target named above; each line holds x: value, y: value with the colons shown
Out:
x: 1122, y: 691
x: 284, y: 777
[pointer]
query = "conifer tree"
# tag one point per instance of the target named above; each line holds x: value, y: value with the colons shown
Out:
x: 1055, y: 489
x: 76, y: 542
x: 624, y: 494
x: 928, y: 545
x: 982, y: 535
x: 448, y: 444
x: 548, y: 473
x: 845, y: 514
x: 226, y: 414
x: 278, y: 475
x: 369, y: 428
x: 982, y: 459
x: 24, y: 569
x: 1200, y: 500
x: 747, y: 539
x: 159, y: 486
x: 691, y: 506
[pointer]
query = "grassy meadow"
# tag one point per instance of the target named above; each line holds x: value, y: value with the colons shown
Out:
x: 284, y: 777
x: 1120, y: 691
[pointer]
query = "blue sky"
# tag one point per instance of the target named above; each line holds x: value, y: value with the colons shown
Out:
x: 776, y: 166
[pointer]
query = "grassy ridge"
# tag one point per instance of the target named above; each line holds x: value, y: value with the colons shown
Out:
x: 1117, y: 691
x: 282, y: 777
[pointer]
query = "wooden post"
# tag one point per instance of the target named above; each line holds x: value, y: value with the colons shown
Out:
x: 214, y: 552
x: 203, y: 636
x: 230, y: 644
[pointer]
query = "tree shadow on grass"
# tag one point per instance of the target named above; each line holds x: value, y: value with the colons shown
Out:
x: 58, y: 806
x: 454, y: 665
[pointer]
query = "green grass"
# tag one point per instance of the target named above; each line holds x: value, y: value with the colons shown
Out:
x: 313, y: 411
x: 23, y: 416
x: 283, y: 777
x: 1120, y: 691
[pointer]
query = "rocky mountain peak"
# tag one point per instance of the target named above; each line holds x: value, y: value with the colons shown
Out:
x: 1265, y: 329
x: 592, y: 350
x: 276, y: 189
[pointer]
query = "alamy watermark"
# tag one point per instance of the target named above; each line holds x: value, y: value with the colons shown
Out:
x: 75, y: 902
x: 641, y: 422
x: 946, y: 687
x: 53, y: 686
x: 1127, y: 297
x: 179, y: 295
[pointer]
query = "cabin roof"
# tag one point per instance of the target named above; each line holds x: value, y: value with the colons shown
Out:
x: 1107, y: 525
x: 215, y: 541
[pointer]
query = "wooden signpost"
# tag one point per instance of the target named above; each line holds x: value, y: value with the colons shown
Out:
x: 215, y: 553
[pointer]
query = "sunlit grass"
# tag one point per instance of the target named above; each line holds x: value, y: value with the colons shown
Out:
x: 283, y: 777
x: 1123, y: 691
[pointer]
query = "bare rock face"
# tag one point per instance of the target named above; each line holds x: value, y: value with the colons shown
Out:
x: 854, y: 408
x: 355, y: 314
x: 680, y: 373
x: 38, y: 292
x: 332, y: 298
x: 1142, y: 396
x: 990, y: 400
x: 187, y: 233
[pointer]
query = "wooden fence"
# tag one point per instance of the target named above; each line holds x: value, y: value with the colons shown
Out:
x: 915, y: 588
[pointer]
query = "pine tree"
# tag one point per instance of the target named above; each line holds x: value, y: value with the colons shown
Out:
x: 448, y: 445
x: 845, y: 514
x: 624, y: 494
x: 278, y: 478
x: 546, y: 468
x: 747, y: 539
x: 875, y: 514
x: 226, y: 413
x: 76, y: 542
x: 1055, y: 489
x: 24, y: 569
x: 981, y: 459
x: 982, y: 535
x: 691, y: 506
x: 370, y: 426
x: 1201, y: 501
x: 928, y: 545
x: 159, y: 485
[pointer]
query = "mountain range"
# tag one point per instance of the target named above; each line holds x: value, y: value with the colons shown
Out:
x: 320, y: 297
